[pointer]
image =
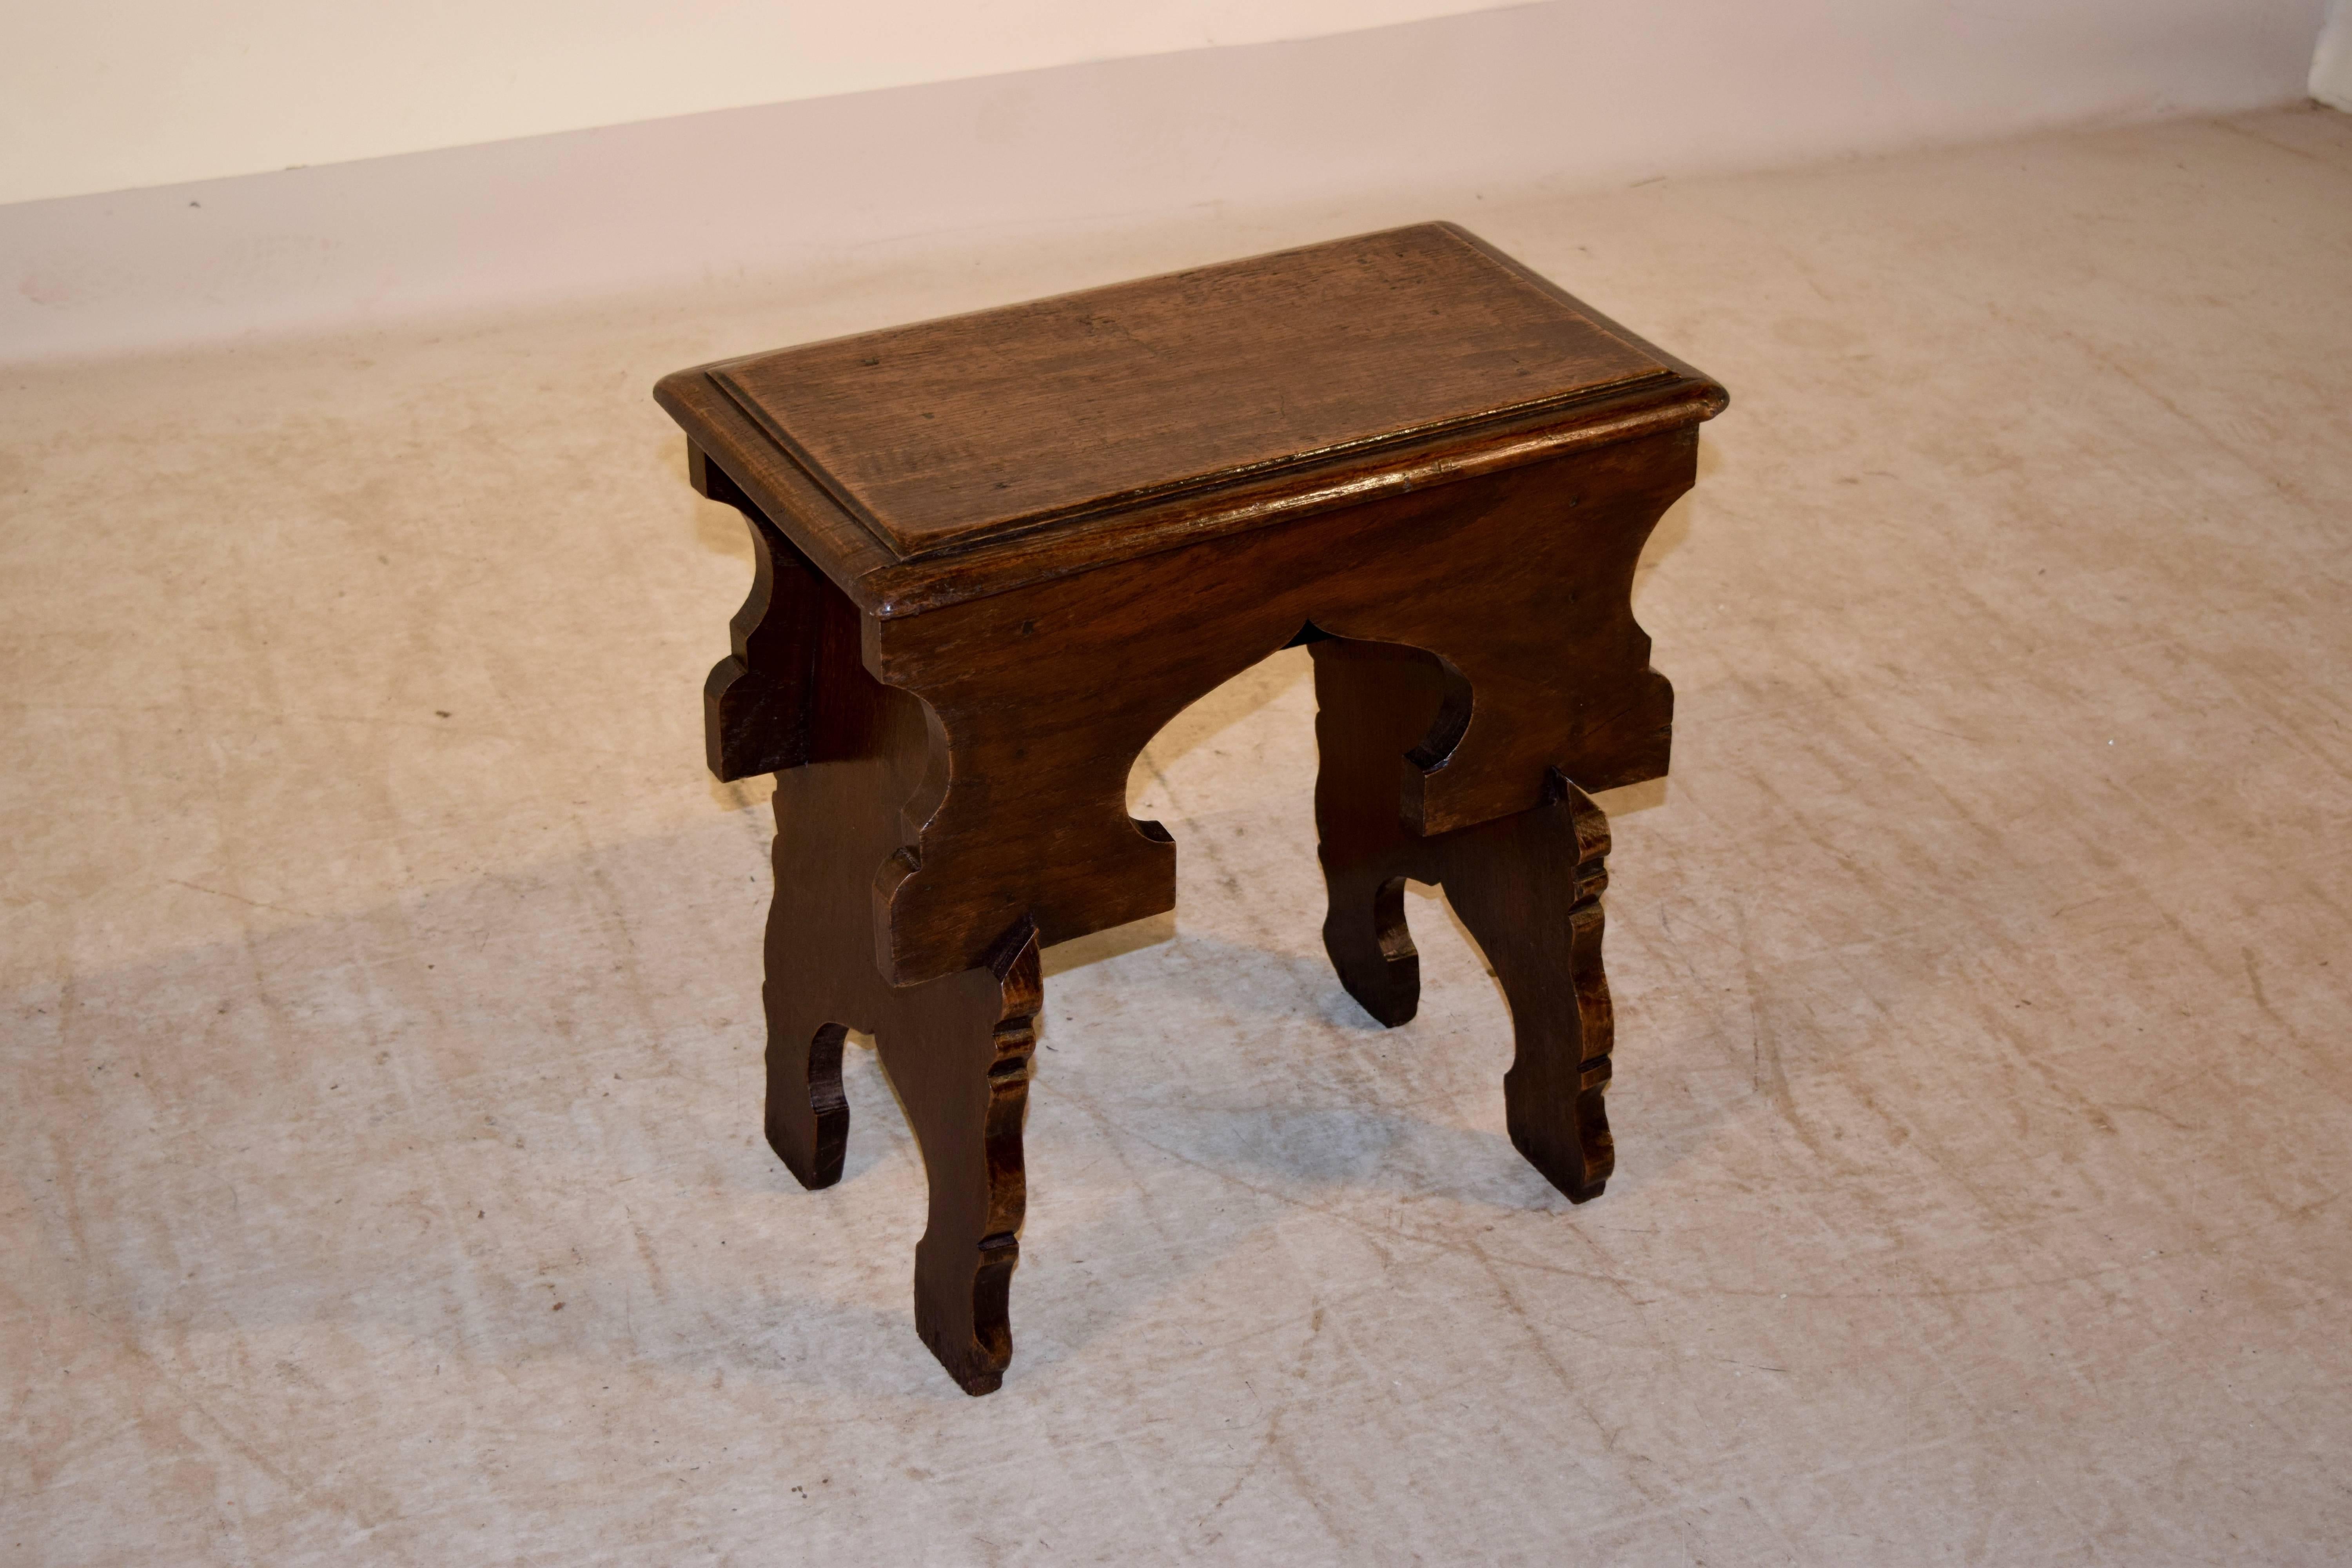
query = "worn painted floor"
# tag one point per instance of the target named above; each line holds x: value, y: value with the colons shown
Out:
x: 379, y: 1118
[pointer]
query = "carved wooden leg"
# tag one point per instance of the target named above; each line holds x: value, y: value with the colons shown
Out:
x: 958, y: 1050
x: 1529, y: 887
x: 1373, y: 702
x: 792, y: 699
x: 819, y: 982
x: 835, y: 819
x: 854, y: 760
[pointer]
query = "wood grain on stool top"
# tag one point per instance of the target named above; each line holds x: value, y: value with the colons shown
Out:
x: 943, y: 434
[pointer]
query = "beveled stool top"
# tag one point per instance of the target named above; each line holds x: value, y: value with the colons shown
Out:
x: 922, y: 463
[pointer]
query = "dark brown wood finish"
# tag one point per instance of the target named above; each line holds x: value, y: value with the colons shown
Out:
x: 1528, y: 885
x: 1403, y: 448
x: 947, y: 433
x: 1520, y: 580
x: 957, y: 1048
x: 1378, y: 457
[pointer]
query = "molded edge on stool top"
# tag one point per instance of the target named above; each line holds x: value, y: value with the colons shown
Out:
x: 946, y: 435
x: 1665, y: 393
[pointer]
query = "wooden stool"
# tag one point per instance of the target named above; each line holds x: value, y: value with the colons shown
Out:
x: 998, y: 552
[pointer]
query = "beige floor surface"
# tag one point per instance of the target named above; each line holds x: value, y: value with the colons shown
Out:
x: 381, y: 1056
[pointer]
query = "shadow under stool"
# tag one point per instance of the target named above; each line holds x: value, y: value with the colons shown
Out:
x: 997, y: 552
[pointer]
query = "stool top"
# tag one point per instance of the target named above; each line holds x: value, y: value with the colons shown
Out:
x: 1111, y: 410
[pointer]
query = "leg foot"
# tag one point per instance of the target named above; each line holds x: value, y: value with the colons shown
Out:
x: 1529, y: 889
x: 807, y: 1118
x: 958, y: 1053
x: 1371, y: 948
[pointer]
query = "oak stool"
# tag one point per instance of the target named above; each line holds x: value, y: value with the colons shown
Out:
x: 997, y: 552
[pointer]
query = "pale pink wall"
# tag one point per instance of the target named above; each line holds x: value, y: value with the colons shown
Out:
x: 2331, y: 62
x: 1398, y: 121
x: 109, y: 95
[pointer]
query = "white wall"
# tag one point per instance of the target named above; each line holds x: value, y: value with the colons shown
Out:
x: 105, y: 95
x: 2331, y: 63
x: 1282, y: 142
